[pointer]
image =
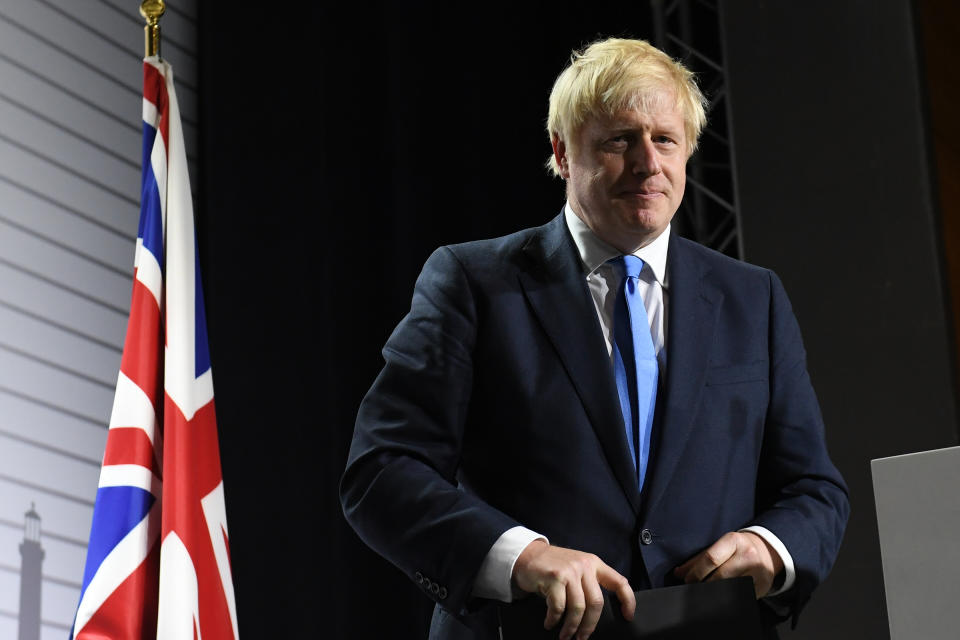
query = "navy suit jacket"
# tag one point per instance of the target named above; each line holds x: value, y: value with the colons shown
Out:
x: 497, y: 407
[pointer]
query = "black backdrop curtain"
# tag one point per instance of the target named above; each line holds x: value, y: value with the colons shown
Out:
x: 340, y: 146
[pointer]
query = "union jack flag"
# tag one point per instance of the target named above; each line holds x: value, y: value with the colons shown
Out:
x: 158, y: 562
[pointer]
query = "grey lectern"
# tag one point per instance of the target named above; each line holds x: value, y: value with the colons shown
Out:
x: 918, y: 516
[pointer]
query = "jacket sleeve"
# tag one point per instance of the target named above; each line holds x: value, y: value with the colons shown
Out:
x: 399, y: 490
x: 801, y: 496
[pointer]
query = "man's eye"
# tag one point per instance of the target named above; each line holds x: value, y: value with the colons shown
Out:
x: 663, y: 140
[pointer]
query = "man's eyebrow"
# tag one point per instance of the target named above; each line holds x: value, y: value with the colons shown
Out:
x: 621, y: 126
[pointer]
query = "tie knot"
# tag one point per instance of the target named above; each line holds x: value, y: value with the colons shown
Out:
x: 632, y: 265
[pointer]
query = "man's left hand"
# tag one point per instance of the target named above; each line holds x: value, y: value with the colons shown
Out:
x: 738, y: 553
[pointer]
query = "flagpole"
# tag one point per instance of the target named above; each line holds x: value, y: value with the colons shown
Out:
x: 151, y: 10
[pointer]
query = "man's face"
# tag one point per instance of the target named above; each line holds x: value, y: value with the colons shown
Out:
x: 626, y: 174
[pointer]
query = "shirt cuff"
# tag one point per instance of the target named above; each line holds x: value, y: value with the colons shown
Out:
x: 789, y: 572
x: 494, y: 580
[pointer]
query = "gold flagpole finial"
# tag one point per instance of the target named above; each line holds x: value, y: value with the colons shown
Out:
x: 151, y: 10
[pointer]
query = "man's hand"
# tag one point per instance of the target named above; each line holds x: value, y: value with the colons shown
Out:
x: 570, y: 581
x: 738, y: 553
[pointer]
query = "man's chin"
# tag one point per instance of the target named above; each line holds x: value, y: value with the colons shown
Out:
x: 645, y: 222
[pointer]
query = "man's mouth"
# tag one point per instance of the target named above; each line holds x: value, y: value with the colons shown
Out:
x: 644, y: 194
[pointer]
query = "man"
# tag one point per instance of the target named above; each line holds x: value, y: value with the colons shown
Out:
x: 525, y: 437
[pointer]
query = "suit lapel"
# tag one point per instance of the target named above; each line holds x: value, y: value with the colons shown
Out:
x: 556, y: 289
x: 692, y: 314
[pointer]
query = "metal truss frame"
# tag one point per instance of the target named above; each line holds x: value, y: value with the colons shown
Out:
x: 692, y: 31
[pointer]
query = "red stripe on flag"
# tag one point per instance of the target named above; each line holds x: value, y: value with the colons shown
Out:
x: 130, y: 612
x: 191, y: 470
x: 130, y: 446
x: 155, y: 91
x: 142, y: 358
x: 152, y: 82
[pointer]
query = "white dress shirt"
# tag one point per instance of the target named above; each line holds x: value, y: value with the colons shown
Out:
x: 494, y: 580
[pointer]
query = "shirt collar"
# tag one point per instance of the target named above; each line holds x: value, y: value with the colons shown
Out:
x: 594, y: 252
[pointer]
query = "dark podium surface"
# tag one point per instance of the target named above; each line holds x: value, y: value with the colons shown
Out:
x: 720, y: 609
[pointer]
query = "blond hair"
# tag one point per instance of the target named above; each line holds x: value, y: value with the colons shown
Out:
x: 616, y: 74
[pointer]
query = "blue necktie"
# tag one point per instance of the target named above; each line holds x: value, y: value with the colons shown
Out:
x: 635, y: 363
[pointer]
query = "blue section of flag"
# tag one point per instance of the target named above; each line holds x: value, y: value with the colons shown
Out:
x: 151, y: 214
x: 116, y: 512
x: 149, y: 135
x: 201, y: 346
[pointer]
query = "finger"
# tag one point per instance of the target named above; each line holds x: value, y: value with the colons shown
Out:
x: 556, y: 595
x: 593, y: 597
x: 732, y: 568
x: 576, y: 606
x: 736, y: 565
x: 747, y: 561
x: 683, y: 569
x: 707, y: 561
x: 700, y: 568
x: 611, y: 580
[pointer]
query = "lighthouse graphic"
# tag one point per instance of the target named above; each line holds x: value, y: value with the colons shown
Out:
x: 31, y: 565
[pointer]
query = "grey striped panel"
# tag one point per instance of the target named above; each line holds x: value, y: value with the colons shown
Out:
x: 70, y: 145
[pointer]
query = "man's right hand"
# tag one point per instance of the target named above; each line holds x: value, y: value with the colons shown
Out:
x: 570, y: 581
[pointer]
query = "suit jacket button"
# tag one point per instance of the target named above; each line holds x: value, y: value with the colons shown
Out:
x: 418, y: 577
x: 443, y: 593
x: 434, y: 588
x: 646, y: 537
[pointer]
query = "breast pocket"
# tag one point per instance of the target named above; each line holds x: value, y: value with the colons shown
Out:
x: 734, y: 407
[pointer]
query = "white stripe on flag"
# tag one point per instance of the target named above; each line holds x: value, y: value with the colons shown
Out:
x: 215, y: 513
x: 178, y: 615
x: 158, y: 162
x: 150, y: 113
x: 188, y: 391
x: 132, y: 408
x: 130, y: 475
x: 148, y: 271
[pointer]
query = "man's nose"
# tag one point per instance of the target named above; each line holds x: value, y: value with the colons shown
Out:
x: 645, y: 159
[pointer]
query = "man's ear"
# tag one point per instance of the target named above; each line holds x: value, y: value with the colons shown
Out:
x: 560, y: 156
